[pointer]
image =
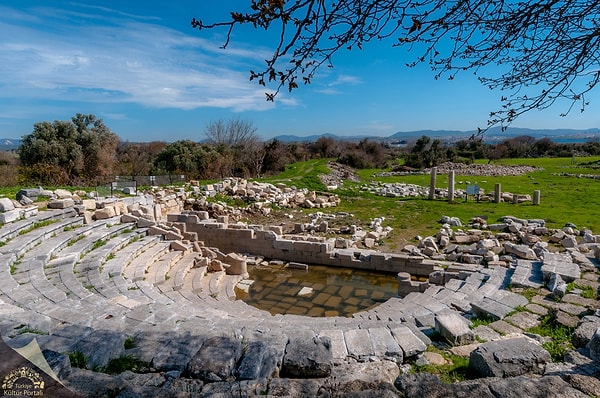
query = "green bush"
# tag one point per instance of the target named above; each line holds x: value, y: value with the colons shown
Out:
x: 126, y: 362
x: 78, y: 360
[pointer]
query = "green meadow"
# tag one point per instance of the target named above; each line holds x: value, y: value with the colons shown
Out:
x: 566, y: 196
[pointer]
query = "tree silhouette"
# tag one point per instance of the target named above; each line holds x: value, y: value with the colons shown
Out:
x: 537, y: 52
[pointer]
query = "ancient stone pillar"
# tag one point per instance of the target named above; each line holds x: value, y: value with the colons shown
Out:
x: 497, y: 192
x: 432, y: 183
x: 536, y: 197
x: 451, y: 186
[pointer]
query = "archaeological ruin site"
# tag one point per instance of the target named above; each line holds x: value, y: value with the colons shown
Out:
x: 143, y: 295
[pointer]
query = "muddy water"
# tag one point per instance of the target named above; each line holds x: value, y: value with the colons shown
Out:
x: 336, y: 291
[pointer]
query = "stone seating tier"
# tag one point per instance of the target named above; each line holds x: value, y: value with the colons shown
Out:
x: 90, y: 297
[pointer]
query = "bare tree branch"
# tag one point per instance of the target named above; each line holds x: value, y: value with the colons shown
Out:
x: 546, y: 50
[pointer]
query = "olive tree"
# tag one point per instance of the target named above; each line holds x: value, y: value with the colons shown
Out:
x: 541, y: 51
x: 79, y: 151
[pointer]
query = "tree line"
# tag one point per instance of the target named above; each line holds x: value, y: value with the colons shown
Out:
x: 85, y: 152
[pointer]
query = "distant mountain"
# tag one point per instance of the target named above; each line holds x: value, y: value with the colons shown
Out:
x: 9, y: 144
x: 311, y: 138
x: 495, y: 134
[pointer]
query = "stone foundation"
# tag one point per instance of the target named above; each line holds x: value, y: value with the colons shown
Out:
x: 309, y: 250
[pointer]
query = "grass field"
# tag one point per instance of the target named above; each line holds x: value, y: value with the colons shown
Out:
x: 565, y: 197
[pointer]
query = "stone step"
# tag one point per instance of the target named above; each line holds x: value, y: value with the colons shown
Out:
x: 116, y: 265
x: 136, y: 269
x: 99, y: 231
x: 527, y: 274
x: 19, y: 238
x: 561, y: 264
x: 158, y: 271
x: 92, y: 259
x: 10, y: 230
x: 65, y: 279
x: 204, y: 290
x: 178, y: 273
x: 194, y: 278
x: 150, y: 290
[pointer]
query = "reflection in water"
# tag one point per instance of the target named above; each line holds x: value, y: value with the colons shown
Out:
x: 335, y: 291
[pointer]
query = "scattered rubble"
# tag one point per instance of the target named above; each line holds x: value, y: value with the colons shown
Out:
x: 473, y: 264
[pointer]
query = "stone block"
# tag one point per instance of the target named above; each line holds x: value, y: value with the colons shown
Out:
x: 307, y: 357
x: 6, y: 205
x: 179, y: 246
x: 105, y: 213
x: 61, y: 203
x: 9, y: 216
x: 144, y: 222
x: 216, y: 359
x: 521, y: 251
x: 250, y: 365
x: 99, y: 347
x: 339, y: 351
x: 411, y: 345
x: 488, y: 308
x: 63, y: 194
x: 32, y: 193
x: 594, y: 346
x: 127, y: 218
x: 155, y: 230
x: 172, y: 235
x: 557, y: 286
x: 88, y: 218
x: 384, y: 344
x: 454, y: 328
x: 509, y: 358
x: 358, y: 343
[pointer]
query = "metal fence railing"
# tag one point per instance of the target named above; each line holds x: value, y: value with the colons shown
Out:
x: 127, y: 185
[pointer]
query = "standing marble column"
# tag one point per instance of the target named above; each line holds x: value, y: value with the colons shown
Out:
x: 451, y: 186
x: 497, y: 193
x: 432, y: 183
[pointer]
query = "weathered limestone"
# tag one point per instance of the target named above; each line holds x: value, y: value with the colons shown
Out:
x: 451, y: 186
x: 432, y: 183
x: 411, y: 345
x: 193, y: 314
x: 61, y: 203
x: 216, y: 359
x: 454, y: 328
x: 557, y: 286
x: 594, y: 345
x: 509, y: 358
x: 561, y: 264
x: 6, y: 205
x: 585, y: 331
x: 307, y: 356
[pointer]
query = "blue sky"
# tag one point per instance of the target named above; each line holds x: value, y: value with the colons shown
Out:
x: 141, y: 68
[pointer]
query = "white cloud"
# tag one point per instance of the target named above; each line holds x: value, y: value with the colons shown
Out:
x: 123, y: 60
x: 346, y: 79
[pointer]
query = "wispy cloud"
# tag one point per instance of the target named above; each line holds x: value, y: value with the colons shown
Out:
x: 335, y: 86
x: 345, y: 80
x: 129, y: 58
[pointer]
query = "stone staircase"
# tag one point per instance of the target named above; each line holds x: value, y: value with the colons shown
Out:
x: 91, y: 286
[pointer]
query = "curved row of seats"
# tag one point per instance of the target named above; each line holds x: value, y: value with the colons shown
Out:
x: 109, y: 275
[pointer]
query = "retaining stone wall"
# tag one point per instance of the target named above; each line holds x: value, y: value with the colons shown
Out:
x: 292, y: 249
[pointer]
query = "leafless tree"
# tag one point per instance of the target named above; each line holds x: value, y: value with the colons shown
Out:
x: 231, y: 133
x: 541, y: 51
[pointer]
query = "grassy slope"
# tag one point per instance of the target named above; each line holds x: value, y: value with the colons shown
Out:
x: 564, y: 198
